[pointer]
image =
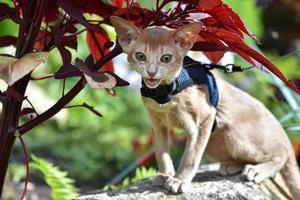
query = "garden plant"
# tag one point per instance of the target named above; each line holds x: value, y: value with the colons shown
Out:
x: 48, y: 25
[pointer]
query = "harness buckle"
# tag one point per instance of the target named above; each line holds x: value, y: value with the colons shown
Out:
x: 228, y: 68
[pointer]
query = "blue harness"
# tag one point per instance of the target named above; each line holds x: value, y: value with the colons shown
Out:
x: 192, y: 73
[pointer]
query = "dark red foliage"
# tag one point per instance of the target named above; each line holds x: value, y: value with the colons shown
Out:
x: 96, y: 7
x: 4, y: 10
x: 223, y: 30
x: 7, y: 40
x: 118, y: 3
x: 97, y: 44
x: 74, y: 11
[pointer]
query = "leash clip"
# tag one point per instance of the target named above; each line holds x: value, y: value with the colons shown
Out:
x: 230, y: 68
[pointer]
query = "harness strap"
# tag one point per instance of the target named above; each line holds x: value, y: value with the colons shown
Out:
x: 192, y: 73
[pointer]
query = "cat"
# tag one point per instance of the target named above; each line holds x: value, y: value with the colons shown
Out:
x: 247, y: 138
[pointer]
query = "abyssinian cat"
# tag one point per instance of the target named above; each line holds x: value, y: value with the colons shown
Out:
x: 247, y: 138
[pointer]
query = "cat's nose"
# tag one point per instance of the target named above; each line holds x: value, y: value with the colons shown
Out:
x: 151, y: 74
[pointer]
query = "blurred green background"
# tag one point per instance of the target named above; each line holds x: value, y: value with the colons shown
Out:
x: 94, y: 149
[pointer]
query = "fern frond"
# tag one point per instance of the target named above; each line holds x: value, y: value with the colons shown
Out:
x: 141, y: 173
x: 62, y: 187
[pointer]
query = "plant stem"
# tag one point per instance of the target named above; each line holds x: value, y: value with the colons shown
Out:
x: 54, y: 109
x: 64, y: 100
x: 28, y: 31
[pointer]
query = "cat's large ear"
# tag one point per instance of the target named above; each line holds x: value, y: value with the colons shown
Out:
x: 185, y: 36
x: 126, y: 32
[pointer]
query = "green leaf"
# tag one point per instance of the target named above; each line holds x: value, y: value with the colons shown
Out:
x: 62, y: 187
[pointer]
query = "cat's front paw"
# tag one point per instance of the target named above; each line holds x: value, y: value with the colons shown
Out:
x: 160, y: 179
x: 175, y: 185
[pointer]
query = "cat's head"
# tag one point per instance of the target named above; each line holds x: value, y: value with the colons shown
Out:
x: 155, y: 53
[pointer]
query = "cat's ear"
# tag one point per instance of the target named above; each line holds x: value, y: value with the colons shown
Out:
x: 185, y: 36
x: 127, y: 32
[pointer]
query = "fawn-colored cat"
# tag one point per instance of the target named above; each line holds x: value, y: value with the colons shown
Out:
x: 247, y: 138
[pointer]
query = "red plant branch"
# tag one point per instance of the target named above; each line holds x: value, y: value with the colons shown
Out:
x: 42, y: 77
x: 54, y: 109
x: 29, y: 27
x: 63, y: 101
x: 23, y: 197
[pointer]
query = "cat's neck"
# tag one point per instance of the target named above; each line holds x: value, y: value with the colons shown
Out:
x: 170, y: 78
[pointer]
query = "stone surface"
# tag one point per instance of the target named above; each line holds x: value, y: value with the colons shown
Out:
x: 207, y: 185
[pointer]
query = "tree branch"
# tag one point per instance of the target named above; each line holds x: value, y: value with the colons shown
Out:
x: 64, y: 100
x: 54, y: 109
x: 46, y: 76
x: 87, y: 106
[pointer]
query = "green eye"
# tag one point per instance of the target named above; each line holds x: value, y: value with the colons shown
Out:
x: 140, y: 56
x: 166, y: 58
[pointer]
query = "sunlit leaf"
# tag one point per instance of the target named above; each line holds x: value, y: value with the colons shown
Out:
x: 13, y: 69
x: 107, y: 80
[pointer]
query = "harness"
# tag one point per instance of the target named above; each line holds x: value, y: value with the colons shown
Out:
x: 192, y: 73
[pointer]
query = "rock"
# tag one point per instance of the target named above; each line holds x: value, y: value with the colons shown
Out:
x: 207, y: 185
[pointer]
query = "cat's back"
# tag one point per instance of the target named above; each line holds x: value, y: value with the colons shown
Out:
x: 241, y: 112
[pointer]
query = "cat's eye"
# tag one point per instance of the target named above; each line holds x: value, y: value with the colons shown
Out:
x: 140, y: 56
x: 166, y: 58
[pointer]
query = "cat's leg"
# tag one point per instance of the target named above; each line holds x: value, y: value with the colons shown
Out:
x: 231, y: 168
x: 194, y: 148
x: 261, y: 161
x: 161, y: 149
x: 259, y: 172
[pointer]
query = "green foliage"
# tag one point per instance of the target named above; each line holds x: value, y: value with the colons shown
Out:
x: 62, y: 187
x: 16, y: 172
x: 267, y: 88
x: 141, y: 173
x: 89, y: 146
x: 93, y: 147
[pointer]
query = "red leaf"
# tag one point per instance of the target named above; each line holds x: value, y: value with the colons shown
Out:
x: 118, y: 3
x: 67, y: 70
x: 7, y: 40
x: 70, y: 41
x: 206, y: 5
x: 237, y: 20
x: 214, y: 57
x: 236, y: 44
x: 136, y: 15
x: 218, y: 47
x: 209, y: 46
x: 4, y: 10
x: 51, y: 14
x: 242, y: 47
x: 225, y: 15
x: 96, y: 7
x: 96, y: 42
x: 14, y: 94
x: 70, y: 28
x: 71, y: 9
x: 43, y: 39
x: 99, y: 79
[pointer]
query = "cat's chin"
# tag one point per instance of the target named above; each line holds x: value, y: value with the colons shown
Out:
x: 151, y: 83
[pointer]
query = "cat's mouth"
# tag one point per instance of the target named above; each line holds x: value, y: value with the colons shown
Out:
x: 151, y: 82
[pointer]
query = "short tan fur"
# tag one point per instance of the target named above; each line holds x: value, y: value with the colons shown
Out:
x: 248, y: 138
